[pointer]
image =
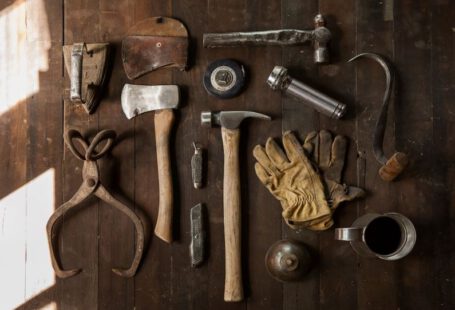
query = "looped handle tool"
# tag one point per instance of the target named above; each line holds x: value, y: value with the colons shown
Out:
x: 393, y: 166
x: 90, y: 150
x: 91, y: 185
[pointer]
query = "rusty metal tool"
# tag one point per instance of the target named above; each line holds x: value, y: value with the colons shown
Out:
x: 319, y: 36
x: 393, y: 166
x: 279, y: 79
x: 154, y: 43
x: 230, y: 133
x: 197, y: 165
x: 198, y: 234
x: 87, y: 64
x: 138, y: 99
x: 91, y: 185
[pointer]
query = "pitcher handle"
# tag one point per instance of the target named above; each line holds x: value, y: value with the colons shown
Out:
x: 349, y: 234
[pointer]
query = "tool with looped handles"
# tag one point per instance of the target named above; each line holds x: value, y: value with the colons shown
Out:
x: 91, y: 185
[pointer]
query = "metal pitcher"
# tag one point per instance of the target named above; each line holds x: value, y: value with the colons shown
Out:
x: 389, y: 236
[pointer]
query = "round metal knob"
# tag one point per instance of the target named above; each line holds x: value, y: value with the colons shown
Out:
x: 287, y: 260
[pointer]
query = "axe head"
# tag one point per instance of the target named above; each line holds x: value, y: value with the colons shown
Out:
x: 138, y: 99
x: 156, y: 42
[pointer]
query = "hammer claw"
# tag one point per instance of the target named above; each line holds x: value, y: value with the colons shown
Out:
x: 230, y: 133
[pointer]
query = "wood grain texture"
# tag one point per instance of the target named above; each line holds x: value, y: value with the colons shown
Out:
x: 443, y: 90
x: 338, y: 263
x: 422, y: 134
x: 261, y: 217
x: 416, y: 36
x: 374, y: 33
x: 233, y: 286
x: 164, y: 120
x: 79, y: 247
x: 116, y: 231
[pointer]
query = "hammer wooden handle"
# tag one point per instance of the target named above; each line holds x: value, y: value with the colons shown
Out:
x: 163, y: 125
x: 233, y: 289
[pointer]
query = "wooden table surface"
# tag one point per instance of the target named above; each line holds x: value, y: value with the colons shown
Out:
x: 417, y: 36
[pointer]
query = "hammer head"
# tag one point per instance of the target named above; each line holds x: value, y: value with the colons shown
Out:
x: 322, y: 36
x: 229, y: 119
x: 138, y: 99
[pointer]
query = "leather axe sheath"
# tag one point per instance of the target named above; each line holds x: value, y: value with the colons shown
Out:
x: 154, y: 43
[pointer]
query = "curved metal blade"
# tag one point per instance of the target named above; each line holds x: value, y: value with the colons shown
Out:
x: 138, y: 99
x: 378, y: 137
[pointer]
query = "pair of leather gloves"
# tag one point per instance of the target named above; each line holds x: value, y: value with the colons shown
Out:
x: 306, y: 179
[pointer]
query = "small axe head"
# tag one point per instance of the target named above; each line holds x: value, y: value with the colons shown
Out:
x: 229, y: 119
x: 138, y: 99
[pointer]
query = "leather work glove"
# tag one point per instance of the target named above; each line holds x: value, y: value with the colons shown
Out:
x: 329, y: 155
x: 293, y: 180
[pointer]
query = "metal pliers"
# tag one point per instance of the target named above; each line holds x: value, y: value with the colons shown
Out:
x: 91, y: 185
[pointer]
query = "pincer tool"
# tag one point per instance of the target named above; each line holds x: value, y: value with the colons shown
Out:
x: 91, y: 185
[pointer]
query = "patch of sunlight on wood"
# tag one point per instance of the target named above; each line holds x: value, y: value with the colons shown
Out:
x: 50, y: 306
x: 25, y: 41
x: 25, y: 264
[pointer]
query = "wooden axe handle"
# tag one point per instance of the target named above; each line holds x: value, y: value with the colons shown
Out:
x: 163, y: 125
x: 233, y: 289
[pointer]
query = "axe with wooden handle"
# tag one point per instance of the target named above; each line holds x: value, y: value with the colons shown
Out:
x: 138, y: 99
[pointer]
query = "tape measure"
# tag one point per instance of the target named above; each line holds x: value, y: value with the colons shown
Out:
x: 224, y: 78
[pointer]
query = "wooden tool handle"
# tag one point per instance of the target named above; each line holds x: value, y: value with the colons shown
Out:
x: 233, y: 289
x: 163, y: 124
x: 394, y: 166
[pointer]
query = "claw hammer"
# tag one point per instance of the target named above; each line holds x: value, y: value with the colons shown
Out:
x: 230, y: 133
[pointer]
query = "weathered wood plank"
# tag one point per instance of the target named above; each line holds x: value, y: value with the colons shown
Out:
x: 44, y: 150
x: 338, y: 263
x: 30, y: 136
x: 425, y: 61
x: 443, y: 172
x: 116, y: 231
x: 79, y: 233
x: 262, y: 218
x: 374, y: 34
